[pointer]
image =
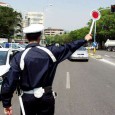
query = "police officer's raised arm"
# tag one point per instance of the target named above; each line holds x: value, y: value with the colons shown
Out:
x: 64, y: 51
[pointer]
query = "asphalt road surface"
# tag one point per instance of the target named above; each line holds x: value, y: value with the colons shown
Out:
x: 84, y: 88
x: 110, y: 56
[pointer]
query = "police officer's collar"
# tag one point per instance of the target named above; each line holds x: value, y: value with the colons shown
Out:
x: 32, y: 45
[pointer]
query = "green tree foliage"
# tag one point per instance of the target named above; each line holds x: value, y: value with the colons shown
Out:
x: 78, y: 34
x: 106, y: 25
x: 8, y: 21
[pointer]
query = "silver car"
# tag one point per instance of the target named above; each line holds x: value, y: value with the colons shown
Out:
x: 80, y: 54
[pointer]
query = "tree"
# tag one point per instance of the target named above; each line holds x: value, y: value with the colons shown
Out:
x: 78, y: 34
x: 8, y: 21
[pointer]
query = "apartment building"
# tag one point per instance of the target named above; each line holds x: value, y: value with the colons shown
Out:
x: 33, y: 18
x: 53, y: 31
x: 4, y: 4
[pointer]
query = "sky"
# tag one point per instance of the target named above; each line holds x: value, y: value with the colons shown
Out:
x: 64, y: 14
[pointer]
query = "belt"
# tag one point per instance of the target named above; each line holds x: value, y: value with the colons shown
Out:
x: 44, y: 90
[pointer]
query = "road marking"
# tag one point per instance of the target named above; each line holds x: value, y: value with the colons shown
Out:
x: 107, y: 56
x: 106, y: 61
x: 108, y: 86
x: 68, y: 81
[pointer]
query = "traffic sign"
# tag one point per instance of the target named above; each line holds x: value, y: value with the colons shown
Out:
x: 94, y: 44
x: 112, y: 8
x: 95, y: 15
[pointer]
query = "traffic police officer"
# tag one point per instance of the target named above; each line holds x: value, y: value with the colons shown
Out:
x: 34, y: 69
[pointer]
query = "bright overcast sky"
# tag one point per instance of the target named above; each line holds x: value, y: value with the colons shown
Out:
x: 64, y: 14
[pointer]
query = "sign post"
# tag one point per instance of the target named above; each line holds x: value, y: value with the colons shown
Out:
x: 95, y: 15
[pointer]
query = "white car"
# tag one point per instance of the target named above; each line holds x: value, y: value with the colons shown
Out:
x: 80, y: 54
x: 1, y: 46
x: 5, y: 58
x: 89, y: 48
x: 14, y: 46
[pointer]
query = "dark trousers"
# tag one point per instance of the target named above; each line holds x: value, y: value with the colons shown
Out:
x: 39, y: 106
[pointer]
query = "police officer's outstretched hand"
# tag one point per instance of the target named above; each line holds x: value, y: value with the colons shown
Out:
x: 8, y: 111
x: 88, y: 37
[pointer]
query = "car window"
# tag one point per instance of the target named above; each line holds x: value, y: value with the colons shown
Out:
x: 15, y: 46
x: 3, y: 57
x: 2, y: 44
x: 22, y: 45
x: 82, y: 48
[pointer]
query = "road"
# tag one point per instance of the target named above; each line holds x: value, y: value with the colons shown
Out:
x: 84, y: 88
x: 91, y: 90
x: 110, y: 56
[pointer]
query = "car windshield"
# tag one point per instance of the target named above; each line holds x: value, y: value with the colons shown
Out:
x: 1, y: 45
x: 15, y: 46
x: 82, y: 48
x: 22, y: 45
x: 3, y: 57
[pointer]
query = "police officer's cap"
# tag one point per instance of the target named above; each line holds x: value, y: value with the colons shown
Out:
x: 33, y: 28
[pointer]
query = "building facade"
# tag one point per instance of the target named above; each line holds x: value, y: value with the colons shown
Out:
x: 4, y: 4
x: 33, y: 18
x: 53, y: 32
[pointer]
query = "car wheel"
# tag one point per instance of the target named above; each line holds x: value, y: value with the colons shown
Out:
x: 109, y: 49
x: 87, y: 60
x: 0, y: 97
x: 113, y: 49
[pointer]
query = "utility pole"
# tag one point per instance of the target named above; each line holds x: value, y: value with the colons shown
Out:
x: 42, y: 42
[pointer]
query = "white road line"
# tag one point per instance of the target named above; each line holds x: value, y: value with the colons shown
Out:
x: 106, y: 61
x: 68, y: 81
x: 107, y: 56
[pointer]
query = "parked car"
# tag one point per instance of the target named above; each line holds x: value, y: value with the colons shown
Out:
x: 0, y: 85
x: 0, y: 46
x: 14, y: 46
x: 22, y: 46
x: 80, y: 54
x: 5, y: 58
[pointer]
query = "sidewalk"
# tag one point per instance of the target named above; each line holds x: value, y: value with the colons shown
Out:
x: 94, y: 55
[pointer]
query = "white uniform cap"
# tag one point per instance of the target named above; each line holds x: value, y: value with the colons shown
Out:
x: 33, y: 28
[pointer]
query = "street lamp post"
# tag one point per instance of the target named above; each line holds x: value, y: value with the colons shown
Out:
x: 43, y: 43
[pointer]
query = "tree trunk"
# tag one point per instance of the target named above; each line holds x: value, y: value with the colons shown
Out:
x: 10, y: 40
